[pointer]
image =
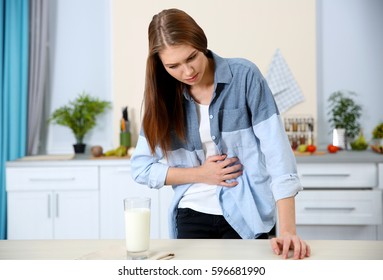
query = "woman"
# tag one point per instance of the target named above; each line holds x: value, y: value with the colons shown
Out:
x: 211, y: 129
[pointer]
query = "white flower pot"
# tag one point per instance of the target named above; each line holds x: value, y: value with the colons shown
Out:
x: 339, y: 138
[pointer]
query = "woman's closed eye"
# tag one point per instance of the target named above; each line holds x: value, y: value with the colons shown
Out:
x: 191, y: 58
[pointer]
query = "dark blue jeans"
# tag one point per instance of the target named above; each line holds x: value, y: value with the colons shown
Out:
x: 196, y: 225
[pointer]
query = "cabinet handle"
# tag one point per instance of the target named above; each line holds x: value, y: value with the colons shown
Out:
x: 330, y: 208
x: 49, y: 206
x: 326, y: 175
x: 57, y: 205
x: 51, y: 179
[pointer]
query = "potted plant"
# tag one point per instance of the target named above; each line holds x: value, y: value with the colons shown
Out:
x: 80, y: 116
x: 344, y: 114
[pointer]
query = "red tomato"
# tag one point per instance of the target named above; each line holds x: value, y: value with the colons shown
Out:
x: 311, y: 148
x: 332, y: 149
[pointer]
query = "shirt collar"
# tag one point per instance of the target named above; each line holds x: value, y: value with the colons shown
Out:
x: 222, y: 73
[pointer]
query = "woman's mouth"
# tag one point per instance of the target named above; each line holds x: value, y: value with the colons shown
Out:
x: 192, y: 79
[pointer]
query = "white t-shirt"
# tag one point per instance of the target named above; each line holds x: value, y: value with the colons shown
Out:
x: 202, y: 197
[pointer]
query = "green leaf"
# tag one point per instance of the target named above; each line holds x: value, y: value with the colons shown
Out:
x: 80, y: 114
x: 344, y: 112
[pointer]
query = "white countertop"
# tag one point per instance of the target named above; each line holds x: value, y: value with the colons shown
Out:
x: 184, y: 249
x: 350, y: 156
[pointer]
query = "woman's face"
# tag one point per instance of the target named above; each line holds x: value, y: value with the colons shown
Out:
x: 184, y: 63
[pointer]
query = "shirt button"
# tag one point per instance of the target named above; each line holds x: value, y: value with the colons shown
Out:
x: 211, y: 116
x: 213, y: 137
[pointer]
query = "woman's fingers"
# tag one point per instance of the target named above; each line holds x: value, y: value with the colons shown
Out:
x: 222, y: 171
x: 228, y: 184
x: 282, y: 245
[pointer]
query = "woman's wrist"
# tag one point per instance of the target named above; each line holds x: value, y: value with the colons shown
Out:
x: 179, y: 175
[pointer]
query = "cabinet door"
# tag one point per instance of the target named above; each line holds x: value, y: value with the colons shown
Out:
x: 76, y: 215
x: 339, y: 207
x: 116, y: 183
x: 30, y: 215
x: 166, y: 196
x: 339, y: 214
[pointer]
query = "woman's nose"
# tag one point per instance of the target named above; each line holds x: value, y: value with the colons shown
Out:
x: 188, y: 69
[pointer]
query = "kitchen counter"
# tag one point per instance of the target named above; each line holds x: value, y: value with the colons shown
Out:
x: 67, y: 160
x: 367, y: 156
x: 184, y: 249
x: 350, y: 156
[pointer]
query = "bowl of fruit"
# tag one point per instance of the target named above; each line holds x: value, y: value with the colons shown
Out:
x: 377, y: 139
x: 377, y: 148
x: 360, y: 144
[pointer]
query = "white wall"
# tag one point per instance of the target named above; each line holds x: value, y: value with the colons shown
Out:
x: 79, y: 60
x: 101, y: 46
x: 243, y: 28
x: 100, y: 43
x: 350, y: 56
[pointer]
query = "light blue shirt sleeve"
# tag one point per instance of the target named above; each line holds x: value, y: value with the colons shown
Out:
x: 146, y: 167
x: 280, y: 160
x: 274, y: 144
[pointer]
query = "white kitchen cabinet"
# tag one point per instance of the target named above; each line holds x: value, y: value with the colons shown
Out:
x: 52, y: 202
x: 166, y: 196
x: 30, y: 215
x: 76, y: 215
x: 339, y: 201
x: 339, y: 207
x: 335, y: 175
x: 73, y: 199
x: 116, y: 184
x: 76, y: 199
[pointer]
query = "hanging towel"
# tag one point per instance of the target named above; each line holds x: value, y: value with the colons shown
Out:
x: 282, y: 83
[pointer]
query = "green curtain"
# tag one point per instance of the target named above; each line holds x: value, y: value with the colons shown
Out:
x: 13, y: 90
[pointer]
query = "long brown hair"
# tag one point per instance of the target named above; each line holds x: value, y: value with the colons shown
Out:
x: 163, y: 97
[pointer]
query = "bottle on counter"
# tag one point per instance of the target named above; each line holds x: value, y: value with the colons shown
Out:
x: 125, y: 137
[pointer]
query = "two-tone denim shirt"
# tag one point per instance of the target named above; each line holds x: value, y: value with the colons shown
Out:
x: 244, y: 123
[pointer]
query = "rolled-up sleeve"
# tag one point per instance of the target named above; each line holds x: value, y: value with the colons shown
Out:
x: 268, y: 127
x: 146, y: 167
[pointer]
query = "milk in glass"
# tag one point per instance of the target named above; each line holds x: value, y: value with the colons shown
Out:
x: 137, y: 229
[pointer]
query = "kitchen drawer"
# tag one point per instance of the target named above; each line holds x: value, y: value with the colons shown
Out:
x: 48, y: 178
x: 333, y: 232
x: 339, y: 207
x: 348, y: 175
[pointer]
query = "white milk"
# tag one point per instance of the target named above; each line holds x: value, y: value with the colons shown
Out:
x: 137, y: 229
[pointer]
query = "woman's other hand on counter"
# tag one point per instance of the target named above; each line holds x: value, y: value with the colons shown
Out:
x: 281, y: 246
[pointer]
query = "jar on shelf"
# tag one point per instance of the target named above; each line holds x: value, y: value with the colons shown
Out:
x: 294, y: 142
x: 295, y: 125
x: 302, y: 139
x: 287, y: 125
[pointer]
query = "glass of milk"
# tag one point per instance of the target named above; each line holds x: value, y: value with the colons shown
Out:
x: 137, y: 227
